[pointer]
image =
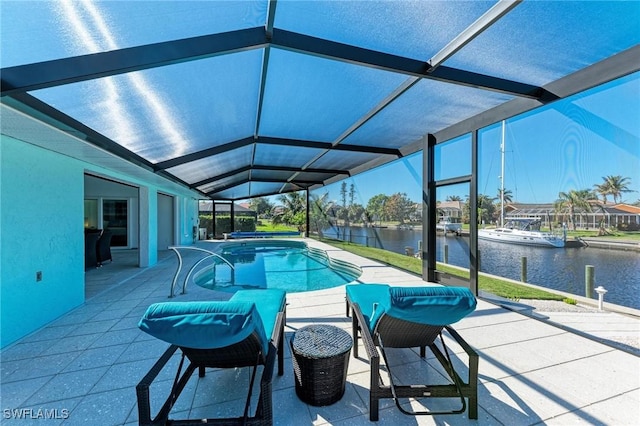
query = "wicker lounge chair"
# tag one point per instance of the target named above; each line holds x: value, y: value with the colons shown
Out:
x: 412, y: 317
x: 231, y: 334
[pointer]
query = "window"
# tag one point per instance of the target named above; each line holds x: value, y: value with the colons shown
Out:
x: 115, y: 218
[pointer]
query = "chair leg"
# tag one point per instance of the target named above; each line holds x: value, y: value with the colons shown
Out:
x: 354, y: 331
x: 473, y: 407
x: 473, y: 386
x: 374, y: 400
x: 281, y: 354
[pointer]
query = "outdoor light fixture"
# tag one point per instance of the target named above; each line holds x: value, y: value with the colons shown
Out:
x: 601, y: 292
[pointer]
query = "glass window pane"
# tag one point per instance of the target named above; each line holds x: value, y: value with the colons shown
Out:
x: 115, y: 218
x: 452, y: 241
x: 91, y: 214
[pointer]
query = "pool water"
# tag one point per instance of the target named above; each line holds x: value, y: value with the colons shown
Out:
x: 288, y: 265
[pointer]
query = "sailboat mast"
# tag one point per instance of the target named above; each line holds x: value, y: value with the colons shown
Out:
x: 502, y: 176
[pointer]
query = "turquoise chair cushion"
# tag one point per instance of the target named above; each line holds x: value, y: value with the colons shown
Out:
x: 204, y: 325
x: 429, y: 305
x: 367, y: 296
x: 268, y: 303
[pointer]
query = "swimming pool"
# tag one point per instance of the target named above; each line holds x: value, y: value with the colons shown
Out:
x: 288, y: 265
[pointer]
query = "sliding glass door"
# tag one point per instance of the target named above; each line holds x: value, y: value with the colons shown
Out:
x: 115, y: 218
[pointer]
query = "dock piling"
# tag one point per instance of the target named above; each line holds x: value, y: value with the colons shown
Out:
x: 589, y: 280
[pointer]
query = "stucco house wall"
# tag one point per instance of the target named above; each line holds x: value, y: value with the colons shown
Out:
x: 42, y: 231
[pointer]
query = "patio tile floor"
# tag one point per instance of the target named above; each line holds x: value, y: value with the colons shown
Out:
x: 86, y: 364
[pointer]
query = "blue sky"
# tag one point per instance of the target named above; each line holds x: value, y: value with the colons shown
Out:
x: 570, y: 144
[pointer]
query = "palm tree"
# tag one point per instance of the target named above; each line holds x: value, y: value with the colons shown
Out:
x: 292, y: 211
x: 486, y: 208
x: 602, y: 189
x: 616, y: 185
x: 508, y: 195
x: 454, y: 198
x: 505, y: 196
x: 320, y: 210
x: 568, y: 202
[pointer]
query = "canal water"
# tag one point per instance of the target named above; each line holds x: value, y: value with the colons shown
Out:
x: 618, y: 271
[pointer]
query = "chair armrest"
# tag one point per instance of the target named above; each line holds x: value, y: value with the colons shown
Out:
x: 467, y: 348
x: 142, y: 389
x: 473, y: 357
x: 365, y: 334
x: 277, y: 339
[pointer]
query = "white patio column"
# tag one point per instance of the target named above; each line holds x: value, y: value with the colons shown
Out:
x: 148, y: 226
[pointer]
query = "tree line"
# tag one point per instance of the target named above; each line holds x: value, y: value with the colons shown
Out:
x: 399, y: 208
x: 568, y: 206
x: 324, y: 212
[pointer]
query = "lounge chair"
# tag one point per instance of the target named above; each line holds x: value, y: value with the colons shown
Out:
x: 411, y: 317
x: 230, y: 334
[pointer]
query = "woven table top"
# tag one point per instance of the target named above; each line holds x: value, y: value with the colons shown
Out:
x: 321, y: 341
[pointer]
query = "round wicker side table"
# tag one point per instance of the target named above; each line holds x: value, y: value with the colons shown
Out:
x: 320, y: 362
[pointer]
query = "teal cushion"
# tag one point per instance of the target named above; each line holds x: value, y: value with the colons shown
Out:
x: 367, y: 296
x: 203, y: 325
x: 268, y: 303
x: 430, y: 305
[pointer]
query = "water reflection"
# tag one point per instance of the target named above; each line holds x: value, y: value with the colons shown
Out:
x: 560, y: 268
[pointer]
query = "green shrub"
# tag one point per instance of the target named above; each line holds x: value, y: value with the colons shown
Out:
x: 242, y: 224
x: 245, y: 223
x: 223, y: 224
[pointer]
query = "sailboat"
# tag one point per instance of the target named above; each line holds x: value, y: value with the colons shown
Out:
x: 525, y: 231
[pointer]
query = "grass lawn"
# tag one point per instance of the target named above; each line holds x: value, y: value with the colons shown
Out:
x: 489, y: 284
x: 267, y: 226
x: 615, y: 235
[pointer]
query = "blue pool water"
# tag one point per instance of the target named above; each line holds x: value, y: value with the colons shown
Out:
x: 288, y: 265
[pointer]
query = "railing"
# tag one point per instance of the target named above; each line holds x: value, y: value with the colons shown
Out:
x: 176, y: 250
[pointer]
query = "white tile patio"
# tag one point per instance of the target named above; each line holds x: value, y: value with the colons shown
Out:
x: 86, y: 364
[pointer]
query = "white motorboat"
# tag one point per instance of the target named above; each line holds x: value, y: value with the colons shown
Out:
x: 449, y: 224
x: 522, y: 231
